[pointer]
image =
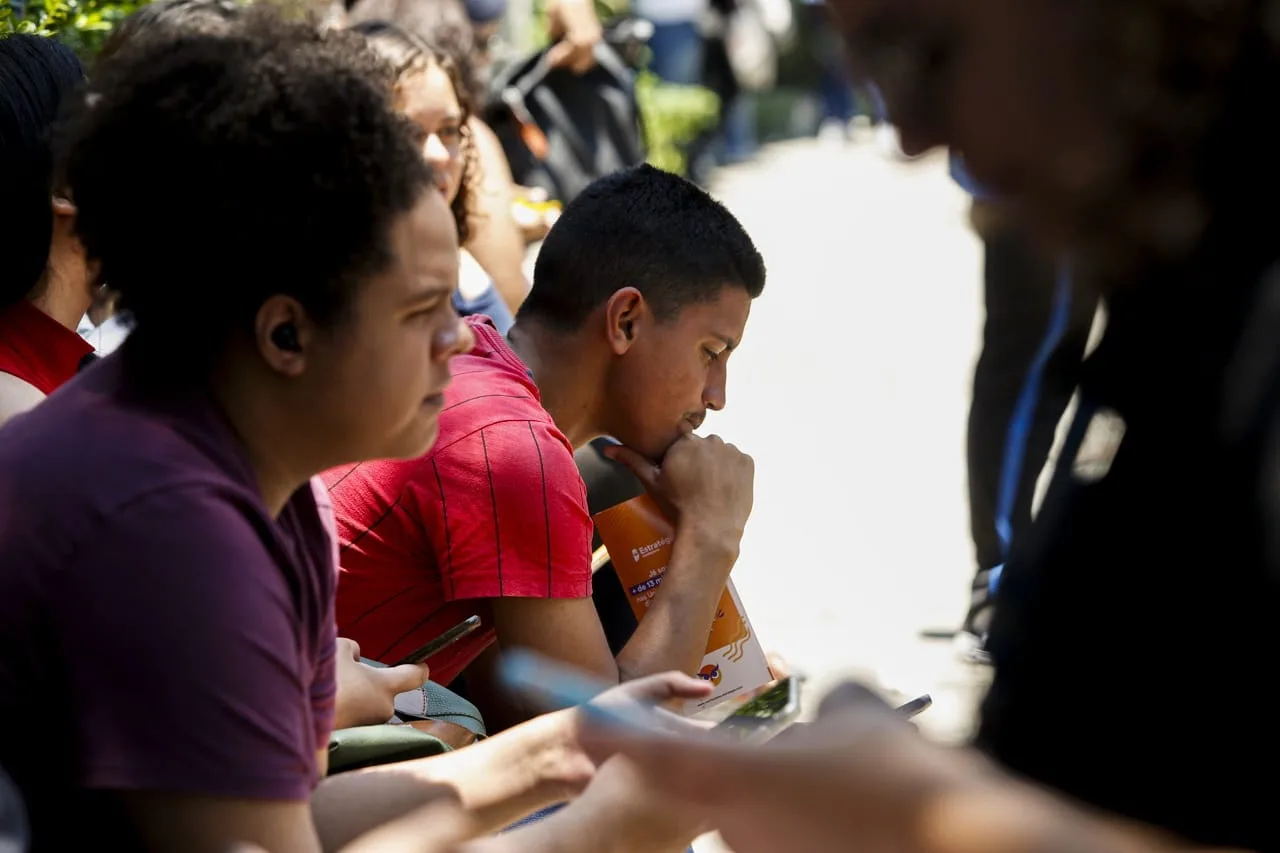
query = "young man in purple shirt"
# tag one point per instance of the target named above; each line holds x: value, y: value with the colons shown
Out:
x: 167, y: 663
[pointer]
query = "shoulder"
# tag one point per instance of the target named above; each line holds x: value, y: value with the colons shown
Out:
x: 16, y: 396
x: 513, y: 453
x: 87, y: 464
x: 490, y: 388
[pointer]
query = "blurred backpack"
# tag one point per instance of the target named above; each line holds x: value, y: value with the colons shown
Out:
x: 561, y: 131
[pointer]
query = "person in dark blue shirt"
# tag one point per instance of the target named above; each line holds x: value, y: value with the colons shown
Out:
x: 1037, y: 326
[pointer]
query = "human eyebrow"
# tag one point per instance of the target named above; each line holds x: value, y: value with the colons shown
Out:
x: 429, y: 293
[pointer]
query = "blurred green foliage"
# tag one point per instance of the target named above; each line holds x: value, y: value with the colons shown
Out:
x: 673, y: 117
x: 80, y: 24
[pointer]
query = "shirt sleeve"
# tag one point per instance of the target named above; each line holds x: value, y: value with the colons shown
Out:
x: 324, y: 684
x: 185, y: 657
x: 506, y: 513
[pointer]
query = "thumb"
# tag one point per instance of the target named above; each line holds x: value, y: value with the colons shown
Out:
x: 646, y: 472
x: 403, y: 678
x: 668, y: 685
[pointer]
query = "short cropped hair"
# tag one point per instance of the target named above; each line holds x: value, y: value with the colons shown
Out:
x: 211, y: 172
x: 648, y: 229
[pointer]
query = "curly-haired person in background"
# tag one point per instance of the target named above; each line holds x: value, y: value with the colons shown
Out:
x: 495, y: 244
x: 433, y: 92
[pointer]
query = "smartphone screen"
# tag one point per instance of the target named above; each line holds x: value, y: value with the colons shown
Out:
x: 764, y: 712
x: 448, y: 638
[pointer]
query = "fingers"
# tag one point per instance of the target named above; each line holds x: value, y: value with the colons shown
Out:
x: 667, y: 685
x: 646, y: 472
x: 403, y: 678
x: 578, y: 55
x: 558, y: 54
x: 437, y: 828
x: 348, y: 648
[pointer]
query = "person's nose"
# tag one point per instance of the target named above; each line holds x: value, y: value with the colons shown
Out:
x: 456, y: 339
x: 713, y: 395
x: 435, y: 151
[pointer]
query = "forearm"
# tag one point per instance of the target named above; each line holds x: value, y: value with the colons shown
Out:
x: 1013, y: 818
x: 578, y: 829
x: 613, y: 815
x: 673, y: 634
x: 498, y: 781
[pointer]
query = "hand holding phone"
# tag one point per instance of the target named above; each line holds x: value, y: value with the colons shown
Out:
x: 759, y: 715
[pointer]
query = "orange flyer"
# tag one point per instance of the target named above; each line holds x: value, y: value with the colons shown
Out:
x: 638, y: 538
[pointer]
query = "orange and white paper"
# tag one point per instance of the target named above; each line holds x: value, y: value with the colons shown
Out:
x: 638, y: 538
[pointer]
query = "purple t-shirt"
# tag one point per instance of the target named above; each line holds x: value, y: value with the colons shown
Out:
x: 159, y: 631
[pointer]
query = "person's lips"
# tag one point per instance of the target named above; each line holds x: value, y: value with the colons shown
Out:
x: 694, y: 421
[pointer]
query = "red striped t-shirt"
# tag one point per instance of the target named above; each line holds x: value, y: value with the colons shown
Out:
x: 496, y: 509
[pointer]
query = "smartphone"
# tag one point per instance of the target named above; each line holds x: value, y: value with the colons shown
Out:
x: 915, y: 706
x: 762, y: 713
x: 448, y: 638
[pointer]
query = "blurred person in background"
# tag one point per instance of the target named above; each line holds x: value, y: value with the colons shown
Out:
x: 1154, y: 556
x: 837, y: 103
x: 486, y: 22
x: 47, y: 284
x: 1038, y: 319
x: 430, y: 91
x: 676, y: 46
x: 493, y: 271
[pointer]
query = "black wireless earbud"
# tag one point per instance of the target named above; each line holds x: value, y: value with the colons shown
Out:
x: 285, y: 337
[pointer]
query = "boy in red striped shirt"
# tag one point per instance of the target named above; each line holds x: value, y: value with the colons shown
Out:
x: 641, y: 292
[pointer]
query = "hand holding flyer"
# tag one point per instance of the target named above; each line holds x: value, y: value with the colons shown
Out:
x: 639, y: 537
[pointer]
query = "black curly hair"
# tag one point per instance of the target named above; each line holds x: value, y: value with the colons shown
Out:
x: 443, y: 24
x: 409, y: 54
x: 274, y: 163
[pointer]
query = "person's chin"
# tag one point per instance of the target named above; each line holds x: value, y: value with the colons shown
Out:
x: 420, y: 436
x: 657, y: 449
